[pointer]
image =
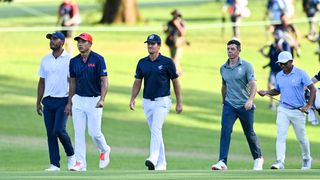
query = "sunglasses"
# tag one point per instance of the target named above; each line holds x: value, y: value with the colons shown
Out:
x: 283, y: 64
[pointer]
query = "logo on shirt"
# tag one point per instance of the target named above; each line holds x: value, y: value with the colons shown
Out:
x: 105, y: 71
x: 91, y: 65
x: 160, y: 67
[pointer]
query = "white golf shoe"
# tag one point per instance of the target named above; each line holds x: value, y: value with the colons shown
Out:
x: 306, y: 164
x: 219, y: 166
x: 78, y: 167
x: 162, y: 167
x: 258, y: 164
x: 71, y: 161
x: 277, y: 165
x: 52, y: 168
x: 104, y: 159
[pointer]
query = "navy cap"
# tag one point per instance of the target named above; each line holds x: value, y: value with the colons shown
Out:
x: 153, y: 38
x: 57, y: 34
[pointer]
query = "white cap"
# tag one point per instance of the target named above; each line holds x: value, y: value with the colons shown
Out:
x: 284, y: 57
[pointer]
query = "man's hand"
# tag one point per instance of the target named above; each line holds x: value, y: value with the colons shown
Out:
x: 68, y: 109
x: 248, y: 104
x: 305, y: 108
x: 39, y: 109
x: 100, y: 103
x: 262, y: 92
x: 179, y: 108
x: 132, y: 104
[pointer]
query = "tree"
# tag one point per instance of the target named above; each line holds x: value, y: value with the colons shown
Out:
x: 6, y: 1
x: 120, y: 11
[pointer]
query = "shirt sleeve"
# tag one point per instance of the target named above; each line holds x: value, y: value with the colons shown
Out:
x: 41, y: 71
x: 75, y: 9
x: 103, y: 67
x: 139, y: 74
x: 306, y: 79
x: 250, y: 73
x: 317, y: 76
x: 71, y: 70
x: 172, y: 70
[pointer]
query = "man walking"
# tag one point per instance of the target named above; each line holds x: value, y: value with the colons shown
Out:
x: 238, y: 91
x: 157, y: 71
x: 88, y: 88
x: 290, y: 83
x: 53, y: 87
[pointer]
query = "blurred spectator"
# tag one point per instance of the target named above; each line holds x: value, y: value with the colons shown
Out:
x: 236, y: 9
x: 275, y: 48
x: 291, y: 34
x: 311, y: 7
x: 68, y: 17
x: 175, y: 40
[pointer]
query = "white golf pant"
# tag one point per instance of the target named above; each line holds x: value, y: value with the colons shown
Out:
x: 84, y: 112
x: 285, y: 117
x: 155, y: 112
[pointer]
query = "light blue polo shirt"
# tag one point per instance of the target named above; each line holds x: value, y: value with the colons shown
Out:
x: 291, y: 86
x: 237, y: 82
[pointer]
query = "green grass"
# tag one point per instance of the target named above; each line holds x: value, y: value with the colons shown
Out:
x: 191, y: 139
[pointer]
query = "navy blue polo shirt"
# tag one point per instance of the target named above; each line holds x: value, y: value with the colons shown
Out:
x: 87, y: 75
x: 157, y: 75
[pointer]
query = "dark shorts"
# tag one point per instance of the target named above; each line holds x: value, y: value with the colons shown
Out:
x: 68, y: 33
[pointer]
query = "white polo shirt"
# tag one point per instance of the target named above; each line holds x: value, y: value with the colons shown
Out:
x: 55, y: 73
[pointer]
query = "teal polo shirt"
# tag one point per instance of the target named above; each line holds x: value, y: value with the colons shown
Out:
x: 237, y: 80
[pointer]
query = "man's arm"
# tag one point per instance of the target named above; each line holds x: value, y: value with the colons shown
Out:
x: 72, y: 89
x: 104, y: 89
x: 253, y: 90
x: 272, y: 92
x: 40, y: 92
x: 313, y: 91
x: 134, y: 92
x: 177, y: 91
x: 223, y: 92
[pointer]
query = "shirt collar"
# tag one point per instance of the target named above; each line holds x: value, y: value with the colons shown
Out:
x: 226, y: 65
x: 294, y: 69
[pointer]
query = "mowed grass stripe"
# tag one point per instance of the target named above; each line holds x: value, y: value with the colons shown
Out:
x: 173, y: 174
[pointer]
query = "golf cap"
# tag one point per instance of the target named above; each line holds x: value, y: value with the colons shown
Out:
x: 58, y: 35
x: 84, y: 36
x: 153, y: 38
x: 284, y: 57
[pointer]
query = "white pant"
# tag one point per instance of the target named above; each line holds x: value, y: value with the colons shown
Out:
x: 155, y: 112
x: 317, y: 101
x: 285, y: 117
x: 84, y: 112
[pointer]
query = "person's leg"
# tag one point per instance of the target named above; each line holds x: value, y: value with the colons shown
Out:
x: 162, y: 157
x: 160, y: 111
x: 282, y: 132
x: 298, y: 120
x: 94, y: 124
x: 247, y: 119
x: 177, y: 59
x: 49, y: 120
x: 79, y: 122
x: 228, y: 119
x: 60, y: 126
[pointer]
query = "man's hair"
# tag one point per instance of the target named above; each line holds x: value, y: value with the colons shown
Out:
x: 236, y: 42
